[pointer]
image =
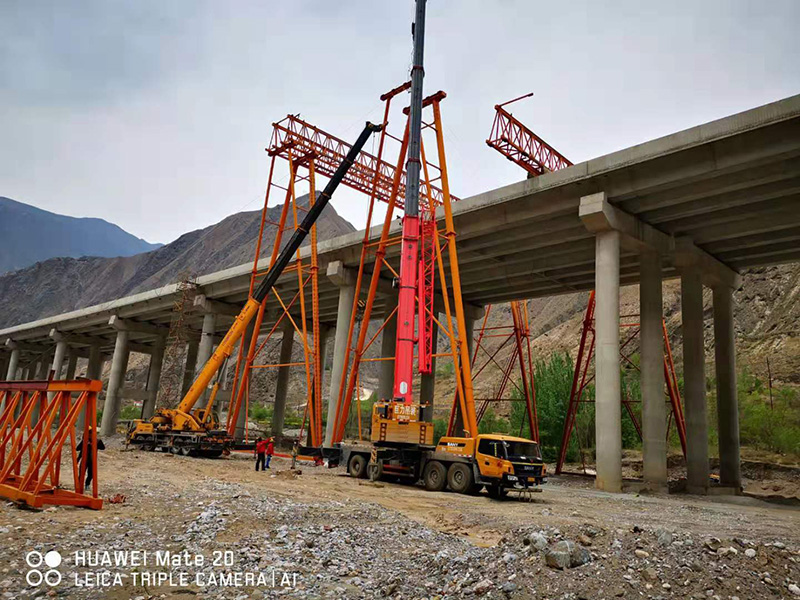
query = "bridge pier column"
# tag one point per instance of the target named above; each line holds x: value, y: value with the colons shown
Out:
x: 241, y: 421
x: 654, y: 407
x: 192, y: 348
x: 427, y: 385
x: 282, y: 384
x: 72, y: 365
x: 94, y: 369
x: 469, y: 334
x: 608, y: 414
x: 727, y: 402
x: 206, y: 345
x: 59, y: 356
x: 694, y: 378
x: 119, y: 367
x: 347, y: 293
x: 388, y: 351
x: 154, y: 376
x: 13, y: 362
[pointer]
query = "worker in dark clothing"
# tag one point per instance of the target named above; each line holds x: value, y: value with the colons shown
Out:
x: 294, y: 453
x: 87, y: 457
x: 270, y: 450
x: 259, y: 452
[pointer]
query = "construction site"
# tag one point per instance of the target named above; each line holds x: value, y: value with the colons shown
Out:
x: 530, y: 392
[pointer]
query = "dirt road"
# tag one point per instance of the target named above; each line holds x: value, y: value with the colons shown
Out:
x: 333, y: 536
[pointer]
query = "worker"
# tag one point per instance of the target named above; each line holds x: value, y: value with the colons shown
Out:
x: 270, y: 450
x: 294, y: 454
x: 259, y: 452
x: 87, y: 457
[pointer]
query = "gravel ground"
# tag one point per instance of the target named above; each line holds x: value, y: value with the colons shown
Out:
x: 324, y: 535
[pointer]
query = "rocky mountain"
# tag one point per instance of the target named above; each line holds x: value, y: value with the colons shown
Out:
x: 31, y: 234
x: 61, y: 284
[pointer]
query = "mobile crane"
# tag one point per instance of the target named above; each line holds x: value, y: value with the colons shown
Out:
x: 194, y: 431
x: 402, y: 442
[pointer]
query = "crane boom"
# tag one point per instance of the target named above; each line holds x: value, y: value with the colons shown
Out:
x: 225, y: 347
x: 409, y: 255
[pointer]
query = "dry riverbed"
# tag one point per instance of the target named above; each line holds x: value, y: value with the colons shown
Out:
x: 235, y: 533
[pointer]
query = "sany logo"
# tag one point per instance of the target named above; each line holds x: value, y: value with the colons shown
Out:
x: 35, y: 577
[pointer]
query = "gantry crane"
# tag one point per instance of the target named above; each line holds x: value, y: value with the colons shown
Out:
x: 193, y: 430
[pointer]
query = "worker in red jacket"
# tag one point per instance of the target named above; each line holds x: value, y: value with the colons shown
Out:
x: 270, y: 450
x: 260, y: 452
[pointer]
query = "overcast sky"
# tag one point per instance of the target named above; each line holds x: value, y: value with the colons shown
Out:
x: 154, y: 115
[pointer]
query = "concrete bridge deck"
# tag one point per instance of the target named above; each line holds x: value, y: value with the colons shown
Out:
x: 732, y: 186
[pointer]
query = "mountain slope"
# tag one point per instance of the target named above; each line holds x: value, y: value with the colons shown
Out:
x: 63, y: 284
x: 31, y: 234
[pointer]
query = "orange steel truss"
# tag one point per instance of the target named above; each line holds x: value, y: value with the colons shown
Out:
x: 386, y: 185
x: 305, y: 300
x: 31, y: 450
x: 517, y: 337
x: 582, y: 378
x: 310, y: 151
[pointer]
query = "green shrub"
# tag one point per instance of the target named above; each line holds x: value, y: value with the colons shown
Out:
x: 439, y: 429
x: 261, y: 413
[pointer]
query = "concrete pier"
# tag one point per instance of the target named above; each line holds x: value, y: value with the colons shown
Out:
x: 13, y: 362
x: 59, y: 355
x: 206, y: 346
x: 344, y: 280
x: 282, y: 384
x: 72, y: 366
x: 154, y: 377
x: 241, y: 421
x: 727, y: 401
x: 694, y: 378
x: 192, y: 348
x: 608, y: 424
x: 388, y: 345
x: 119, y: 367
x: 654, y: 407
x: 427, y: 386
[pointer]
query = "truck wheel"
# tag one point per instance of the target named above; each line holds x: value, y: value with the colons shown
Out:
x: 459, y: 478
x: 434, y: 476
x: 186, y: 451
x: 375, y: 470
x: 357, y: 466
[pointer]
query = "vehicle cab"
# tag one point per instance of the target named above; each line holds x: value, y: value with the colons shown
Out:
x: 516, y: 461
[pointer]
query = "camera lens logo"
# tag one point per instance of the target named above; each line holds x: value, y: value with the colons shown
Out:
x: 51, y: 576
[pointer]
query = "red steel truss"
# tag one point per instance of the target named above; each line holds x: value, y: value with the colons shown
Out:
x: 517, y: 336
x: 582, y: 378
x: 519, y: 144
x: 329, y: 151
